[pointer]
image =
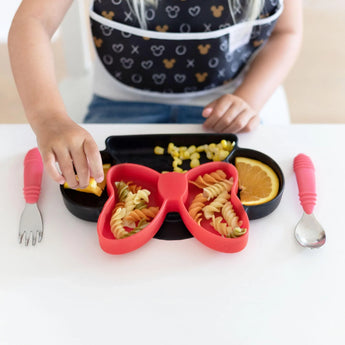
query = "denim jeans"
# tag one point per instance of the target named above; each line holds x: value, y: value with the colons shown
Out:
x: 103, y: 110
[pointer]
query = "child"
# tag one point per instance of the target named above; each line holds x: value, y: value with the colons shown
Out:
x: 224, y: 58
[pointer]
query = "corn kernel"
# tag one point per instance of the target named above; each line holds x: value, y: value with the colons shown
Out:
x: 176, y: 162
x: 230, y: 145
x: 191, y: 149
x: 194, y: 163
x: 209, y: 155
x: 171, y: 147
x: 185, y: 155
x: 224, y: 144
x: 201, y: 148
x: 175, y: 154
x: 158, y: 150
x: 195, y: 155
x: 216, y: 157
x: 223, y: 154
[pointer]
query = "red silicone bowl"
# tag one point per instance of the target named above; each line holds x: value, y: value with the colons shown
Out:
x: 172, y: 192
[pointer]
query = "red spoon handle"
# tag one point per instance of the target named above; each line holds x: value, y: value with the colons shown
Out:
x: 305, y: 175
x: 33, y: 169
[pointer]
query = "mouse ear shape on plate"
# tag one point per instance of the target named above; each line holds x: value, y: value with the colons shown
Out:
x: 133, y: 212
x: 213, y: 212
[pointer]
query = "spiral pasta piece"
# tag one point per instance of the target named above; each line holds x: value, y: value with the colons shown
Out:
x: 132, y: 187
x: 209, y: 179
x: 220, y: 226
x: 214, y: 190
x: 216, y: 205
x: 230, y: 216
x: 238, y: 231
x: 118, y: 205
x: 145, y: 213
x: 140, y: 205
x: 122, y: 190
x: 138, y: 199
x: 141, y: 195
x: 129, y: 202
x: 131, y: 210
x: 116, y: 223
x: 196, y: 206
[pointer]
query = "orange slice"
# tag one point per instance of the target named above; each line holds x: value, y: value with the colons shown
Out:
x: 258, y: 183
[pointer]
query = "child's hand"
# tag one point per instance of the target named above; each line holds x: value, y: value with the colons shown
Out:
x: 66, y: 143
x: 230, y: 114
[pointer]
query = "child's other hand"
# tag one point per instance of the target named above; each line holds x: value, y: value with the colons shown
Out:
x: 230, y: 114
x: 66, y: 143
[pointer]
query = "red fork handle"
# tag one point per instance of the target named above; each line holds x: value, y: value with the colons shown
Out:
x: 305, y: 175
x: 33, y: 169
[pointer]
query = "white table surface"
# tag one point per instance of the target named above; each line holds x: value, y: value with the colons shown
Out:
x: 66, y: 290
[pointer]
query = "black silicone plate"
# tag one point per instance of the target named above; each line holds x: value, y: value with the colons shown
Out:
x: 139, y: 149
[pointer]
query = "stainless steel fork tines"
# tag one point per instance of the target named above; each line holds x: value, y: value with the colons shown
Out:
x: 31, y: 225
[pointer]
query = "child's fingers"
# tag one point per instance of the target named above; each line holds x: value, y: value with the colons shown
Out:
x: 240, y: 122
x: 219, y: 109
x: 51, y: 168
x: 67, y: 169
x: 94, y: 159
x: 208, y: 109
x: 231, y: 114
x: 81, y: 166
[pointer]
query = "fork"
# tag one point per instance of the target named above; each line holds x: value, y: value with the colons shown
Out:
x: 31, y: 225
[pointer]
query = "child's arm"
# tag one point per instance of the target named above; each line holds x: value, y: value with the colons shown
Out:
x: 240, y: 111
x: 60, y: 139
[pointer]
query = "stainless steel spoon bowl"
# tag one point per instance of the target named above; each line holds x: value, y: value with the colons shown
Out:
x: 308, y: 232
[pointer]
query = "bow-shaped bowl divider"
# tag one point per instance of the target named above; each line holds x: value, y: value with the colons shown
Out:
x: 171, y: 192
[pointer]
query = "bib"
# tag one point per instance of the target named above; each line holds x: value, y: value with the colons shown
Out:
x: 187, y: 47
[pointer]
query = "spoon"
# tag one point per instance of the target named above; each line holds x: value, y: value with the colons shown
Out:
x: 308, y: 232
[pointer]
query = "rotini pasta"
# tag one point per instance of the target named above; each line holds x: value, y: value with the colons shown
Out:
x: 196, y: 206
x: 237, y: 232
x: 225, y: 230
x: 208, y: 179
x: 116, y: 223
x: 138, y: 215
x: 118, y: 205
x: 230, y: 216
x: 216, y: 205
x: 220, y: 226
x: 131, y: 210
x: 122, y: 190
x: 129, y: 202
x: 215, y: 189
x: 132, y: 187
x: 141, y: 195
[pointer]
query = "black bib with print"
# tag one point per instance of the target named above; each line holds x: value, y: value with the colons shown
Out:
x: 187, y: 46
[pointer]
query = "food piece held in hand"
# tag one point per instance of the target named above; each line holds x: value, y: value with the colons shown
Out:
x: 93, y: 187
x: 102, y: 184
x: 258, y: 183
